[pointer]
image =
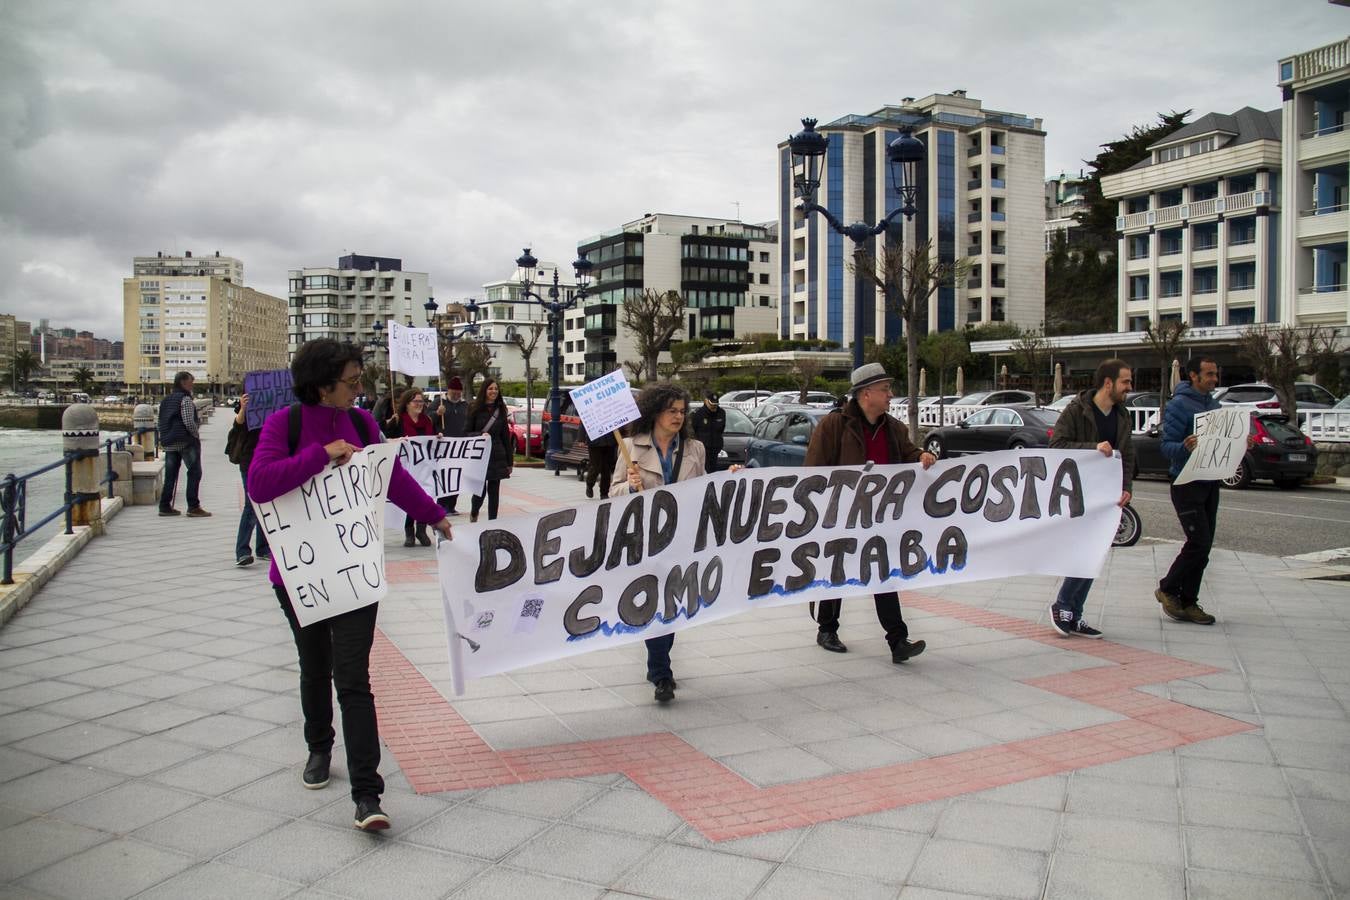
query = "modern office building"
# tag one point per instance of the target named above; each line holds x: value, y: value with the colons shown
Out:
x: 982, y: 197
x: 345, y: 302
x: 726, y: 270
x: 215, y: 328
x: 1314, y: 161
x: 1064, y: 199
x: 1198, y: 224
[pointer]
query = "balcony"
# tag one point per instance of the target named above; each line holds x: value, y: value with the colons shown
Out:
x: 1243, y: 250
x: 1321, y: 300
x: 998, y: 283
x: 998, y: 249
x: 998, y: 184
x: 973, y: 184
x: 998, y: 150
x: 974, y: 284
x: 799, y: 320
x: 1316, y: 226
x: 799, y: 255
x: 1326, y: 145
x: 975, y: 216
x: 974, y: 152
x: 799, y: 288
x: 998, y: 217
x: 974, y: 250
x: 1197, y: 209
x: 1206, y: 254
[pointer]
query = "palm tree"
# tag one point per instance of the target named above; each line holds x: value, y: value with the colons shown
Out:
x: 84, y: 379
x: 25, y: 364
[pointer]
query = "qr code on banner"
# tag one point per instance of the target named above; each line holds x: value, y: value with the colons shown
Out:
x: 529, y: 615
x: 483, y: 621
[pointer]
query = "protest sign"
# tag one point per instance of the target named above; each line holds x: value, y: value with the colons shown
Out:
x: 600, y: 575
x: 605, y: 404
x: 327, y: 536
x: 268, y: 391
x: 444, y: 467
x: 412, y: 351
x: 1221, y: 442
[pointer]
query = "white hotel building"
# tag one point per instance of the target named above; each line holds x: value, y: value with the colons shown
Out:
x: 345, y: 302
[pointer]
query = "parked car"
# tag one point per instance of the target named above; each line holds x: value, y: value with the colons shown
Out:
x: 735, y: 440
x: 1262, y: 396
x: 818, y: 399
x: 742, y: 399
x: 997, y: 398
x: 781, y: 439
x: 1061, y: 403
x: 1343, y: 403
x: 531, y: 424
x: 993, y: 428
x: 1282, y: 454
x: 766, y: 409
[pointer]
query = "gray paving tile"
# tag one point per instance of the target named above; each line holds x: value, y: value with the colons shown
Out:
x: 301, y: 851
x: 629, y: 811
x: 789, y: 882
x: 125, y: 808
x: 218, y: 881
x: 503, y: 881
x: 1327, y: 820
x: 405, y: 870
x: 581, y: 854
x: 772, y: 845
x: 979, y: 869
x: 983, y: 822
x: 210, y: 828
x: 1202, y: 884
x: 39, y: 693
x: 55, y: 786
x: 866, y: 751
x: 115, y: 869
x: 1132, y: 801
x: 1221, y: 775
x: 282, y: 793
x: 1103, y: 836
x: 1205, y: 806
x: 677, y: 872
x: 1319, y: 784
x: 1074, y: 877
x: 1250, y: 852
x: 16, y: 763
x: 75, y: 741
x: 39, y: 842
x: 213, y: 774
x: 724, y: 740
x: 140, y: 756
x: 777, y: 765
x: 476, y: 831
x: 406, y: 809
x: 874, y: 853
x: 552, y: 799
x: 217, y: 731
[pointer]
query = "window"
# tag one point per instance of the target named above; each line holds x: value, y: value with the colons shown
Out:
x: 983, y: 417
x: 763, y: 256
x: 1138, y: 287
x: 1167, y: 154
x: 407, y: 285
x: 763, y: 277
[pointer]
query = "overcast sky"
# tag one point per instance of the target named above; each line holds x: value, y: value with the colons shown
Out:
x: 453, y: 134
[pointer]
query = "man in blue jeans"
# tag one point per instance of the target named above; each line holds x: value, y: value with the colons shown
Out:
x: 180, y: 436
x: 1098, y: 420
x: 243, y: 442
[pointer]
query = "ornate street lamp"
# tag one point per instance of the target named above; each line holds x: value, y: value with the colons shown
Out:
x: 556, y: 305
x: 905, y: 159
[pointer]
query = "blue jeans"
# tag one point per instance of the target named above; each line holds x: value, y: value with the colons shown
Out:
x: 249, y: 526
x: 1072, y: 595
x: 658, y: 657
x: 191, y: 457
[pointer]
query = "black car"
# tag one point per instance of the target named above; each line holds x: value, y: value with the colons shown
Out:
x: 1282, y: 454
x: 781, y: 438
x: 994, y: 428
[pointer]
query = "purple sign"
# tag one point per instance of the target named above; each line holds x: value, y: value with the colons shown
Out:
x: 267, y: 393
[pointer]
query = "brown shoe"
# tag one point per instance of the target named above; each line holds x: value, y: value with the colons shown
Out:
x: 1194, y: 613
x: 1171, y: 605
x: 198, y: 513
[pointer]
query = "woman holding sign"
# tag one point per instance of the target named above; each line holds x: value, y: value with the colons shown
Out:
x: 488, y: 415
x: 413, y: 421
x: 297, y: 444
x: 662, y: 451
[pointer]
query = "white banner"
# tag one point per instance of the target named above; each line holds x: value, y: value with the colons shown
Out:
x: 603, y: 574
x: 327, y: 536
x: 605, y: 404
x: 443, y: 466
x: 412, y: 351
x: 1221, y: 442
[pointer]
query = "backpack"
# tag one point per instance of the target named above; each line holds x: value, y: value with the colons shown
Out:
x: 293, y: 422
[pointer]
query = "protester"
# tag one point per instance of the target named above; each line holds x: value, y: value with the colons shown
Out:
x: 334, y: 651
x: 410, y: 419
x: 488, y: 415
x: 709, y: 422
x: 862, y: 432
x: 386, y: 406
x: 452, y: 418
x: 603, y: 455
x: 1196, y: 503
x: 1094, y: 420
x: 663, y: 451
x: 180, y: 436
x: 239, y: 446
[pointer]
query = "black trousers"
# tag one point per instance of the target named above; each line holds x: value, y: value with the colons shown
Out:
x: 1197, y: 506
x: 888, y: 614
x: 602, y: 463
x: 336, y: 651
x: 493, y: 492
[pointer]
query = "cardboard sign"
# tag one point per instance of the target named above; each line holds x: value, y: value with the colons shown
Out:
x: 1221, y: 443
x: 412, y: 351
x: 444, y: 467
x: 605, y: 404
x: 328, y: 536
x: 268, y: 391
x: 535, y: 588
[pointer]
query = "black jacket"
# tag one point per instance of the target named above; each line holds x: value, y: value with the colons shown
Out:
x: 503, y: 445
x: 708, y: 425
x: 452, y: 417
x: 1076, y: 429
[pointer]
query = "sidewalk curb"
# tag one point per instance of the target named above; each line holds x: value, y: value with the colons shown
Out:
x: 50, y: 558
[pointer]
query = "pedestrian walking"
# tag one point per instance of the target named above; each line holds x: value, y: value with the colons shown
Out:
x: 180, y: 436
x: 452, y: 417
x: 410, y: 419
x: 862, y: 432
x: 488, y: 415
x: 334, y: 652
x: 709, y: 422
x: 239, y: 447
x: 1096, y: 419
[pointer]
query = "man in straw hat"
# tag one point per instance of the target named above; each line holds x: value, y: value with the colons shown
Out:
x: 862, y: 432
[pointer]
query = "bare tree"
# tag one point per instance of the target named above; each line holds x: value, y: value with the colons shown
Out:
x: 1031, y: 352
x: 808, y: 369
x: 635, y: 369
x: 1280, y: 353
x: 1165, y: 339
x: 758, y: 368
x: 909, y: 277
x: 944, y: 351
x: 527, y: 347
x: 653, y: 318
x: 371, y: 377
x: 474, y: 359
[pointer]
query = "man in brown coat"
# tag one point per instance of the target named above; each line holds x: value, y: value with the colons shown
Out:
x: 862, y: 432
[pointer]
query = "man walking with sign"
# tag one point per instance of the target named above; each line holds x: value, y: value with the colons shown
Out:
x: 862, y: 432
x: 1196, y: 502
x: 1094, y: 420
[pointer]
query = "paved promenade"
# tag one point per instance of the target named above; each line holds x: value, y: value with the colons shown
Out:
x: 150, y: 742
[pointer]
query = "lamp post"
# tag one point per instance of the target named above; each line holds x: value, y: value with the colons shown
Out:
x: 556, y: 305
x: 449, y: 331
x: 905, y: 158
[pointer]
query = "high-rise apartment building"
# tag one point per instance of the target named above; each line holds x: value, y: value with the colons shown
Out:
x: 226, y: 268
x: 215, y: 328
x: 13, y: 338
x: 981, y: 197
x: 345, y: 302
x: 1315, y: 156
x: 1198, y: 224
x: 726, y: 270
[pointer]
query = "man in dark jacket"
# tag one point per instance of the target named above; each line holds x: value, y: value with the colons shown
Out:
x: 1196, y: 503
x: 179, y: 435
x: 242, y: 443
x: 709, y: 422
x: 1094, y: 420
x: 862, y: 432
x: 451, y: 421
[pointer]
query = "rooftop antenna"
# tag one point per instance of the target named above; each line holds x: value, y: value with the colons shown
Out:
x: 738, y: 209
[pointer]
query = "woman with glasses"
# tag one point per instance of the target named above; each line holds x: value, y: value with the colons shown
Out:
x: 411, y: 419
x: 488, y: 415
x: 663, y: 451
x: 334, y: 652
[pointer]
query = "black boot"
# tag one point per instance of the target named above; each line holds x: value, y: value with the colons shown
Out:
x: 408, y: 540
x: 422, y: 537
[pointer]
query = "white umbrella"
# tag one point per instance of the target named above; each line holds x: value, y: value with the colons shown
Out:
x: 1059, y: 381
x: 923, y: 382
x: 1176, y: 374
x: 960, y: 381
x: 1003, y: 376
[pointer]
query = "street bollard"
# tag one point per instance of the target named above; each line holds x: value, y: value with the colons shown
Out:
x: 79, y: 433
x: 143, y: 416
